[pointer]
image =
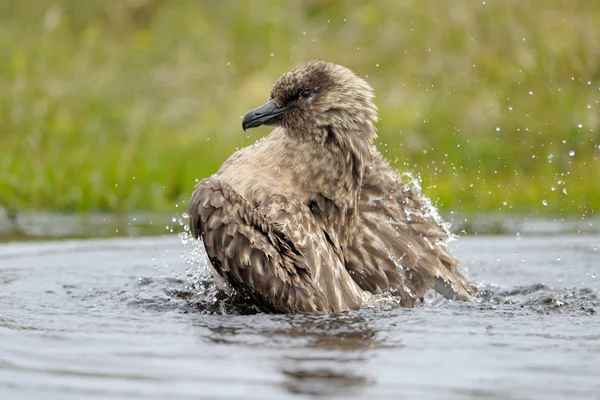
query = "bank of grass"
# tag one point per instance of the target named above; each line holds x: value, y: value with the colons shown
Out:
x: 120, y: 105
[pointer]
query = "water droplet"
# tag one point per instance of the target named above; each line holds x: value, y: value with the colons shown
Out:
x: 497, y: 129
x: 580, y: 126
x: 572, y: 153
x: 530, y: 92
x: 564, y: 191
x: 545, y: 202
x: 183, y: 236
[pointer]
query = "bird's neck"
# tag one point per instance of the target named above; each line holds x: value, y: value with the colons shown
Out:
x: 331, y: 162
x: 333, y: 175
x: 349, y: 151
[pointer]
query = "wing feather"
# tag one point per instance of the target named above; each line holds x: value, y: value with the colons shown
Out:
x: 277, y: 264
x: 398, y: 247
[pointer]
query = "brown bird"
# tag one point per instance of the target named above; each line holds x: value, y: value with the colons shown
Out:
x: 312, y: 217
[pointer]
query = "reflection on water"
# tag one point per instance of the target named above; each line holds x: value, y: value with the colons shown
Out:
x: 132, y: 318
x: 343, y: 343
x: 310, y: 375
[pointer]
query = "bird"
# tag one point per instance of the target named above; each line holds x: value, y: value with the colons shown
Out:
x: 312, y: 218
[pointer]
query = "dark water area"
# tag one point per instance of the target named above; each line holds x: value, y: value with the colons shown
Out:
x: 136, y: 318
x: 31, y: 225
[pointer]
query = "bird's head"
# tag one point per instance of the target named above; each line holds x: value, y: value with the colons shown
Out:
x: 317, y: 100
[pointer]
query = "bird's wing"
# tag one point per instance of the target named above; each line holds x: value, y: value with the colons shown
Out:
x: 399, y: 245
x: 275, y: 255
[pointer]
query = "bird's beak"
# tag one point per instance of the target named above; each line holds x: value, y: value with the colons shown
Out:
x: 263, y: 115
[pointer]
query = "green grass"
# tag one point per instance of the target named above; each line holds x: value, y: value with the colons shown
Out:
x: 115, y: 105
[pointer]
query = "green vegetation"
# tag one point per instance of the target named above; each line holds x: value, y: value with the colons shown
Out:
x: 119, y: 105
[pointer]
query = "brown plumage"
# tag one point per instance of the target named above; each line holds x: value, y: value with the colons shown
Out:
x: 311, y: 217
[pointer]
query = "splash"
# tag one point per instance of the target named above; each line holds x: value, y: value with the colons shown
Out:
x: 200, y: 292
x: 541, y: 298
x: 198, y: 273
x: 427, y: 210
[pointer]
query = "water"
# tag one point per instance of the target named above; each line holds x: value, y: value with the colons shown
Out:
x: 119, y: 318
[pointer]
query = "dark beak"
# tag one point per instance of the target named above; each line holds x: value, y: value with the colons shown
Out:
x: 263, y: 115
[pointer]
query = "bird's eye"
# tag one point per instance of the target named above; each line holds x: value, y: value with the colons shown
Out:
x: 305, y: 94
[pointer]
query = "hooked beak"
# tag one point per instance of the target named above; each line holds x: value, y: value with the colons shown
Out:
x: 263, y: 115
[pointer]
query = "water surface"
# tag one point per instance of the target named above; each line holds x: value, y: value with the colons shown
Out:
x: 132, y: 318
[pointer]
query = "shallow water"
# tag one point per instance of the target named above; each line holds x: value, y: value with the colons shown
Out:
x: 119, y: 318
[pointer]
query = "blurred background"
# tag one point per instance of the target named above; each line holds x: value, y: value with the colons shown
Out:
x: 120, y: 106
